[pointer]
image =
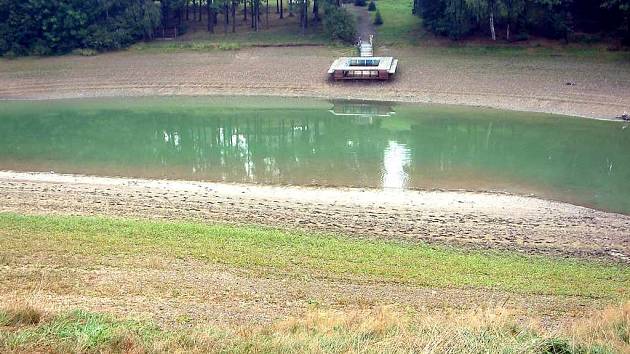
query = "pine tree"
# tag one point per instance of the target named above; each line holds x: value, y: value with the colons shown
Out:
x: 378, y: 20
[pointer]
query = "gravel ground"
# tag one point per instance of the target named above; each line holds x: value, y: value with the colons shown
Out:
x: 527, y: 82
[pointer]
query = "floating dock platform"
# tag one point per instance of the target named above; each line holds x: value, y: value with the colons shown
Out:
x: 364, y: 67
x: 370, y: 68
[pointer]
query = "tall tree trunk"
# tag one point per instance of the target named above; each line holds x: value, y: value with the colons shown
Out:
x: 187, y: 8
x: 277, y: 6
x: 281, y: 10
x: 267, y: 13
x: 257, y: 15
x: 200, y: 11
x: 305, y: 14
x: 227, y: 10
x: 244, y: 10
x: 494, y: 36
x: 210, y: 10
x: 226, y: 16
x: 491, y: 8
x: 233, y: 16
x: 507, y: 32
x: 315, y: 10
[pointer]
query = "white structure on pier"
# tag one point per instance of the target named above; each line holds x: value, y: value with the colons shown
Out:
x: 365, y: 48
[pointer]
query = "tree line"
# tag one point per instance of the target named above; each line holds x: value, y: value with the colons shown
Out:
x: 518, y: 19
x: 44, y: 27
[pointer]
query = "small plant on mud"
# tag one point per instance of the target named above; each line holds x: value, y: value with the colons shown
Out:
x: 378, y: 19
x: 229, y: 46
x: 372, y: 6
x: 85, y: 52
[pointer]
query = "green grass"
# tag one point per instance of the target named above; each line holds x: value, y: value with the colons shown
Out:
x: 79, y: 331
x: 200, y: 40
x: 307, y: 254
x: 400, y: 26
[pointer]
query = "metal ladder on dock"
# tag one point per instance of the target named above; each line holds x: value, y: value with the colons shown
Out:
x: 365, y: 48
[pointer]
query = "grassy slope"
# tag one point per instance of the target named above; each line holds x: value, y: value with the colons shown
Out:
x: 92, y: 240
x: 310, y: 254
x: 201, y: 41
x: 399, y: 26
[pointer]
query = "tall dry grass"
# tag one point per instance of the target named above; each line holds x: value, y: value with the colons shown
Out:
x: 610, y: 327
x: 385, y: 329
x: 19, y: 313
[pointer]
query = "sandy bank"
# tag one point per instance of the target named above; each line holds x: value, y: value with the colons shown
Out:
x: 462, y: 219
x: 528, y: 83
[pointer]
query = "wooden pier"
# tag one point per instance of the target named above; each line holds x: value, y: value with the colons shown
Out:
x: 364, y: 67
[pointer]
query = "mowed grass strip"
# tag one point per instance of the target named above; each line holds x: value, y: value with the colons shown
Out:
x: 308, y: 254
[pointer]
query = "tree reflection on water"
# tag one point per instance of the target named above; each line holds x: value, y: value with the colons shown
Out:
x: 575, y: 160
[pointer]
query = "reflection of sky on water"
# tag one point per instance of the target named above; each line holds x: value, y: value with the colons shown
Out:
x: 396, y: 158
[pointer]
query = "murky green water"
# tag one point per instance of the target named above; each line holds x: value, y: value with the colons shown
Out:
x: 316, y: 142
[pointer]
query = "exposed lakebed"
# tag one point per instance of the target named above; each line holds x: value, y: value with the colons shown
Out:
x: 323, y: 143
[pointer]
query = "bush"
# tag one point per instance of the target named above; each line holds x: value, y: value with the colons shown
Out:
x: 339, y: 25
x: 85, y: 52
x: 378, y: 20
x: 360, y: 2
x: 229, y: 46
x: 520, y: 37
x: 372, y: 6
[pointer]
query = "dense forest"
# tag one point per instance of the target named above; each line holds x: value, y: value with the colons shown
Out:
x: 586, y: 20
x: 44, y: 27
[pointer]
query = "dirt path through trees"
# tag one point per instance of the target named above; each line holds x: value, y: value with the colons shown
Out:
x: 365, y: 27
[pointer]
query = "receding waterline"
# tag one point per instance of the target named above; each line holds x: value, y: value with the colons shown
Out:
x: 316, y: 142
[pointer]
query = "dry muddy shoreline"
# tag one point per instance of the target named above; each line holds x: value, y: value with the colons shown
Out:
x: 599, y: 88
x: 460, y: 219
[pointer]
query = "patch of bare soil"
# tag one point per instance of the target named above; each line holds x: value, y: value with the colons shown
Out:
x: 600, y: 88
x: 184, y: 292
x: 462, y: 219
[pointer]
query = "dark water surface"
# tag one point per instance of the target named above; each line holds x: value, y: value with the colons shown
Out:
x: 317, y: 142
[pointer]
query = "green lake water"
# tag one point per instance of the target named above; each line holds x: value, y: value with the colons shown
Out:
x: 323, y: 143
